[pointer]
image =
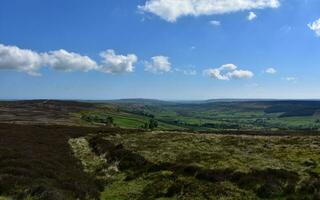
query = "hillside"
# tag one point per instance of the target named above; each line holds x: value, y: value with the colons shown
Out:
x: 60, y: 162
x: 233, y: 115
x: 198, y: 116
x: 69, y: 150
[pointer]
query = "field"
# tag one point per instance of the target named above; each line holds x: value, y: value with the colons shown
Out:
x: 78, y: 152
x: 198, y: 116
x: 231, y: 115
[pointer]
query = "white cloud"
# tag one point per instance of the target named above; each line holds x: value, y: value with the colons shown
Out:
x: 69, y: 61
x: 227, y: 72
x: 215, y: 23
x: 315, y: 26
x: 290, y: 78
x: 271, y: 70
x: 171, y: 10
x: 158, y: 64
x: 113, y: 63
x: 216, y: 74
x: 239, y: 74
x: 228, y: 67
x: 24, y: 60
x: 251, y: 16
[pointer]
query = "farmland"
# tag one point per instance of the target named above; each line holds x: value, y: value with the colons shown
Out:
x: 233, y: 115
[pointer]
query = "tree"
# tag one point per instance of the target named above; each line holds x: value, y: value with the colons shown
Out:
x: 146, y: 125
x: 153, y: 123
x: 109, y: 121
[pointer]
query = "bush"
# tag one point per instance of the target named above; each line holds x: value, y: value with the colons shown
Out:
x: 37, y: 161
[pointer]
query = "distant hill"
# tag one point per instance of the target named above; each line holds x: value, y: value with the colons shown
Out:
x: 137, y: 101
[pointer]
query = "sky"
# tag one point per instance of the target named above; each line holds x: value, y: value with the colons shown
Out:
x: 159, y: 49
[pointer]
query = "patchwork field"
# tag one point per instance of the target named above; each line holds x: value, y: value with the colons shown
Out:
x: 234, y: 115
x: 196, y: 116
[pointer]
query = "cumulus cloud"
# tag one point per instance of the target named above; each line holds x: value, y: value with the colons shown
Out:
x: 240, y: 74
x: 251, y: 16
x: 24, y: 60
x: 29, y: 61
x: 315, y: 26
x: 271, y: 70
x: 171, y: 10
x: 113, y: 63
x: 69, y: 61
x: 228, y: 67
x: 215, y: 23
x: 216, y: 74
x: 227, y: 72
x: 158, y: 64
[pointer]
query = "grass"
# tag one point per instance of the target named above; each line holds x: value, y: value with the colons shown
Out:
x: 251, y: 115
x: 123, y: 119
x: 233, y: 115
x: 93, y: 161
x: 90, y: 161
x: 123, y: 190
x: 264, y: 166
x: 204, y: 116
x: 5, y: 198
x: 219, y: 151
x: 61, y: 162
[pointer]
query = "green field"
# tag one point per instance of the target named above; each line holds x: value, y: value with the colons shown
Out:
x: 123, y: 119
x: 252, y: 115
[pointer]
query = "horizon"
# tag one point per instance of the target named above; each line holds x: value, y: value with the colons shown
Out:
x: 108, y: 50
x: 165, y: 100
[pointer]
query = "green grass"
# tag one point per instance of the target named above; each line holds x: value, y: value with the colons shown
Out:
x: 128, y: 120
x: 111, y: 163
x: 227, y: 116
x: 218, y: 151
x: 71, y: 162
x: 6, y: 198
x: 272, y: 156
x: 123, y: 190
x: 223, y: 115
x: 123, y: 119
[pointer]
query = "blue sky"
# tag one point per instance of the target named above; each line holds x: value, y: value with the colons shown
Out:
x: 81, y: 49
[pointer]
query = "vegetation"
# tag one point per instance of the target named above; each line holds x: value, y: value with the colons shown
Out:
x: 189, y: 166
x: 198, y: 116
x: 159, y: 150
x: 151, y: 125
x: 241, y: 115
x: 36, y: 161
x: 98, y: 118
x: 123, y: 119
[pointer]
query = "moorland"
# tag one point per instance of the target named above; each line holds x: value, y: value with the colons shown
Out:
x: 150, y: 149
